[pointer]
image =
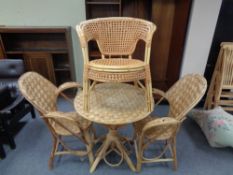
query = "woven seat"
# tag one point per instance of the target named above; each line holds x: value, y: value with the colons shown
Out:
x: 182, y: 97
x: 42, y: 94
x: 116, y: 38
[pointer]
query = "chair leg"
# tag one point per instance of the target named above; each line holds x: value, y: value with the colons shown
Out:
x: 52, y: 155
x: 89, y: 147
x: 138, y: 157
x: 32, y: 112
x: 174, y: 153
x: 8, y: 134
x: 2, y: 152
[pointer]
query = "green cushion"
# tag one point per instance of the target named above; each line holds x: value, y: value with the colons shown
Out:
x: 216, y: 124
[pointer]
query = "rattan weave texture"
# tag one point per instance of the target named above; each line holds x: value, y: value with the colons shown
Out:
x: 114, y: 104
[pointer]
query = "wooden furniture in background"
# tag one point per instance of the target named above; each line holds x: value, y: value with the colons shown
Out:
x: 43, y: 96
x: 171, y: 19
x: 114, y: 105
x: 221, y: 85
x: 182, y: 97
x: 117, y: 38
x: 46, y: 50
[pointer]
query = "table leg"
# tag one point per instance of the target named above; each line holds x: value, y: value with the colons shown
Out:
x: 112, y: 138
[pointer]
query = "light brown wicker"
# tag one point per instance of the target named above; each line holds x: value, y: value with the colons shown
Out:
x: 220, y: 89
x: 182, y: 97
x: 43, y: 96
x: 117, y: 38
x: 113, y: 104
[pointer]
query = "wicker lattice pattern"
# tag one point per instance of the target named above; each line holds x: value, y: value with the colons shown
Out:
x: 185, y: 94
x: 114, y: 104
x: 114, y: 63
x: 116, y: 77
x: 39, y: 91
x: 122, y: 33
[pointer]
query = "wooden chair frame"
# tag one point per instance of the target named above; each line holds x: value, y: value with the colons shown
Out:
x: 221, y: 85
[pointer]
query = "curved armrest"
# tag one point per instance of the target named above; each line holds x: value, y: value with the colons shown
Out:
x: 160, y: 122
x: 159, y: 92
x: 68, y: 85
x: 65, y: 86
x: 19, y: 99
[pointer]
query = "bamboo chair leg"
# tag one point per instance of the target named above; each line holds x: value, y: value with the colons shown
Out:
x: 89, y: 147
x: 139, y: 157
x: 52, y: 155
x: 174, y: 153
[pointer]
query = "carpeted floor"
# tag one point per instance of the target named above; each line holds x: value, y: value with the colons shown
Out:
x: 195, y: 156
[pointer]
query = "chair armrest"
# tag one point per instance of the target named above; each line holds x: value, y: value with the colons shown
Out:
x: 13, y: 105
x: 65, y: 86
x: 159, y: 92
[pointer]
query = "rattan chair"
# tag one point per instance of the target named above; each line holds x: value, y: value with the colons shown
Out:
x: 42, y: 94
x: 182, y: 97
x: 116, y: 38
x: 220, y: 89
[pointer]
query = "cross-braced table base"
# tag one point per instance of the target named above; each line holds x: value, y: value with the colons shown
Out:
x: 112, y: 142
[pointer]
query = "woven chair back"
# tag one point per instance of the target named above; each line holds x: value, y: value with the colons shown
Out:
x: 38, y: 91
x: 116, y: 35
x: 185, y: 94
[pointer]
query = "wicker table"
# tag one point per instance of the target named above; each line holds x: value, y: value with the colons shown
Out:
x: 114, y: 105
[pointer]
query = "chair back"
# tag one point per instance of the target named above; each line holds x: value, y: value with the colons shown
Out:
x: 226, y: 73
x: 185, y: 94
x: 38, y: 91
x: 116, y: 35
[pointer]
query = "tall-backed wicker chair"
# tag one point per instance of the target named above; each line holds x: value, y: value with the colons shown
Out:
x: 116, y: 38
x: 182, y: 97
x: 42, y: 94
x: 221, y: 86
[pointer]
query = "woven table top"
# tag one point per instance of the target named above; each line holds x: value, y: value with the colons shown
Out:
x: 113, y: 104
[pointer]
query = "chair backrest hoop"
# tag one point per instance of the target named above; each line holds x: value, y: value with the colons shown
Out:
x: 116, y: 35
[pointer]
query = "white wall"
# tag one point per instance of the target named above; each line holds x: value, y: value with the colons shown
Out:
x: 201, y: 28
x: 46, y: 13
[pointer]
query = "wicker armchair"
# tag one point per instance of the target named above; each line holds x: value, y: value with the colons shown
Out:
x: 116, y: 38
x: 182, y: 97
x: 42, y: 94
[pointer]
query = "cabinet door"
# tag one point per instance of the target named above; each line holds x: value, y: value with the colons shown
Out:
x: 41, y: 63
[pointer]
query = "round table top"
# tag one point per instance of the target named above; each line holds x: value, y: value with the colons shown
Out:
x: 113, y: 104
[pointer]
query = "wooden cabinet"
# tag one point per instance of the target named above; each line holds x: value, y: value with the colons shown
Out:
x: 46, y: 50
x: 40, y: 62
x: 171, y: 19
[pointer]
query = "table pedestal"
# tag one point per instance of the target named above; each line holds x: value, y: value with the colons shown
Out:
x: 112, y: 142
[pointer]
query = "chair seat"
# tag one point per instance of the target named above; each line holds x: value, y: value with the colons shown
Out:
x: 138, y: 126
x: 116, y: 65
x: 81, y: 124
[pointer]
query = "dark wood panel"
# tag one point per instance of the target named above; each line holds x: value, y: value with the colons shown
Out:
x: 181, y: 17
x: 41, y: 63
